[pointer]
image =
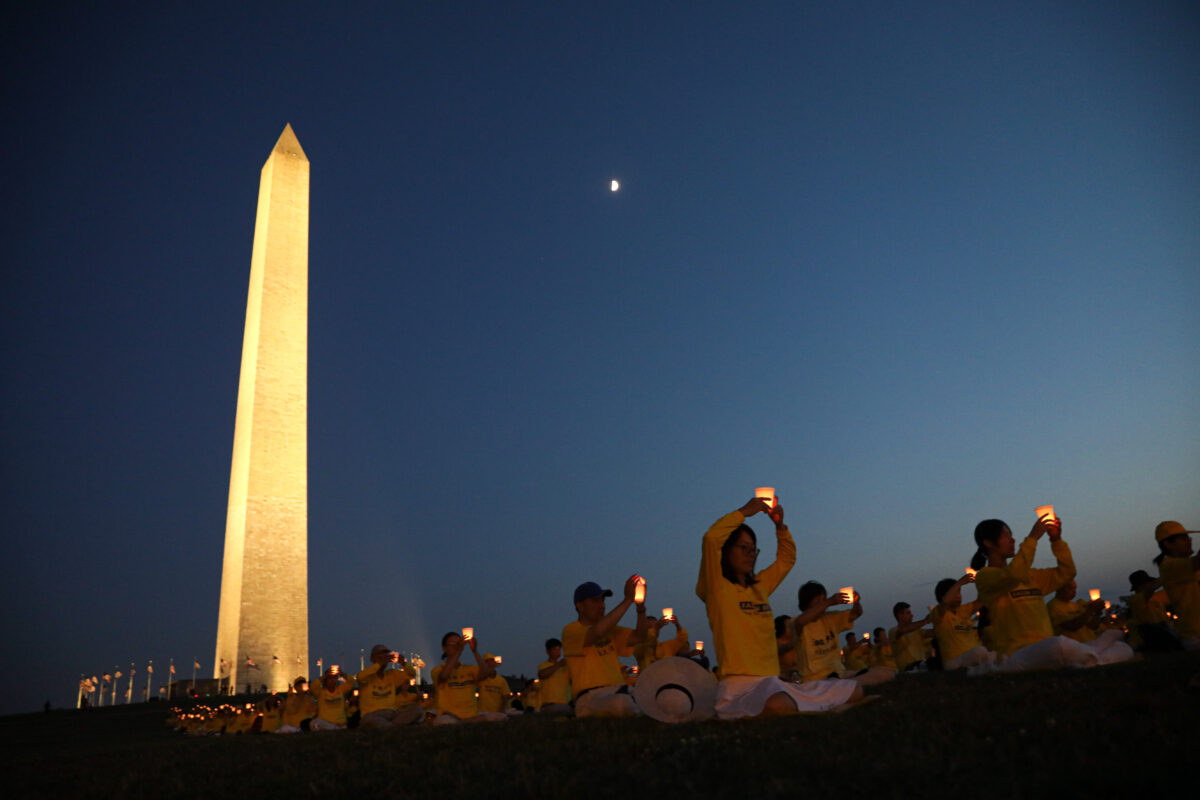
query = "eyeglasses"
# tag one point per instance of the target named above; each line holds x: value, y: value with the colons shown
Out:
x: 747, y: 549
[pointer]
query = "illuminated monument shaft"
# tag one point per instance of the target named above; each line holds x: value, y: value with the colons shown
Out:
x: 264, y: 582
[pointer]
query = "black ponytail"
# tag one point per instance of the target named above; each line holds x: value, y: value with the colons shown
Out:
x: 989, y: 530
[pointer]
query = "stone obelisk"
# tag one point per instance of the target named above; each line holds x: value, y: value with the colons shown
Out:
x: 264, y: 582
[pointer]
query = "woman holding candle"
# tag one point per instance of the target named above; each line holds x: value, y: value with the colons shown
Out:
x: 1012, y: 592
x: 739, y: 613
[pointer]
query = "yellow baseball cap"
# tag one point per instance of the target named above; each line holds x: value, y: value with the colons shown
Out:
x: 1165, y: 530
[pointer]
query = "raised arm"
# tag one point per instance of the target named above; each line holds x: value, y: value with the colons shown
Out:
x: 609, y: 620
x: 785, y: 552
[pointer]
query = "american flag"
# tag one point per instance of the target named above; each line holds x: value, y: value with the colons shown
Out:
x: 275, y: 660
x: 172, y: 669
x: 150, y: 668
x: 196, y: 664
x: 250, y: 663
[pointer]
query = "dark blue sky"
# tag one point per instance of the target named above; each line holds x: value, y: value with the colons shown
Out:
x: 912, y: 265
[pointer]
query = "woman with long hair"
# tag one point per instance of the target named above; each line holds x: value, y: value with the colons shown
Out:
x: 737, y: 599
x: 1012, y: 592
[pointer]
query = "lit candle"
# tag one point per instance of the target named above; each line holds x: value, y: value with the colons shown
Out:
x: 499, y: 659
x: 767, y: 493
x: 468, y: 633
x: 866, y: 637
x: 1107, y: 605
x: 639, y: 591
x: 700, y: 645
x: 1094, y: 594
x: 1045, y: 511
x: 971, y: 572
x: 668, y: 613
x: 848, y: 591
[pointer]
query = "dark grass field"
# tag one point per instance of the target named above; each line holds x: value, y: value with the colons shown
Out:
x: 1129, y: 730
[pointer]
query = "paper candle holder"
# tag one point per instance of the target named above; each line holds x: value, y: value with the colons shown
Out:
x: 767, y: 493
x: 1045, y: 511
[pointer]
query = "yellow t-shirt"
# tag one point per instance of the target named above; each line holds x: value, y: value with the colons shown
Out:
x: 457, y: 694
x: 493, y: 694
x: 907, y: 649
x: 954, y: 630
x: 855, y: 658
x: 298, y: 707
x: 881, y: 656
x: 377, y: 689
x: 598, y: 664
x: 740, y: 617
x: 1013, y: 595
x: 272, y: 718
x: 331, y: 706
x: 818, y: 654
x: 651, y: 649
x: 1062, y: 611
x: 1179, y: 579
x: 1151, y: 611
x: 556, y: 688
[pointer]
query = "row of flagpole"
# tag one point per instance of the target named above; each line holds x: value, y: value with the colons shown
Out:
x: 98, y: 684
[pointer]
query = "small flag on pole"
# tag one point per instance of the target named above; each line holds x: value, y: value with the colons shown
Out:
x: 118, y: 674
x: 275, y: 660
x: 320, y: 664
x: 172, y: 669
x: 150, y: 668
x: 250, y: 663
x: 196, y: 664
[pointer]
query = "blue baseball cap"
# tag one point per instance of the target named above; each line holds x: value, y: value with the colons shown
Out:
x: 590, y: 589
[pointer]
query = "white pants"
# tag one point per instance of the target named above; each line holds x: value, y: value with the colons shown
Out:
x: 606, y: 701
x: 1058, y: 652
x: 973, y: 657
x: 746, y: 695
x: 319, y: 724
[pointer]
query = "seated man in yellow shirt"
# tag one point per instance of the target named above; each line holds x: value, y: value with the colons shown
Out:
x: 594, y: 643
x: 299, y: 707
x: 651, y: 649
x: 554, y: 681
x: 881, y: 650
x: 908, y: 645
x: 958, y: 639
x: 1150, y: 628
x: 815, y: 636
x: 855, y: 653
x: 1073, y: 618
x: 457, y: 684
x: 493, y: 692
x: 378, y: 687
x: 331, y: 701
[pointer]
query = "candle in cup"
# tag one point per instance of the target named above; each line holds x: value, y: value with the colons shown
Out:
x: 700, y: 645
x: 468, y: 633
x: 767, y: 493
x: 866, y: 637
x: 848, y: 591
x: 971, y: 572
x: 1107, y: 605
x: 1094, y: 594
x: 498, y: 659
x: 1045, y: 511
x: 668, y: 613
x: 639, y: 591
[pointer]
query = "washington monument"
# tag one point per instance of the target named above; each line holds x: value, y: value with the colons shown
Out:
x: 262, y: 630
